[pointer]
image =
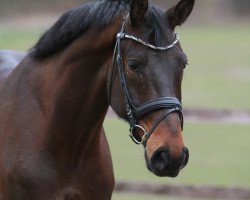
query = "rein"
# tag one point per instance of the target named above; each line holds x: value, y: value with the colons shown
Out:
x: 135, y: 113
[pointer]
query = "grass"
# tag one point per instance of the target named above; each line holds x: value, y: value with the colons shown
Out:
x: 121, y: 196
x: 219, y: 71
x: 18, y: 39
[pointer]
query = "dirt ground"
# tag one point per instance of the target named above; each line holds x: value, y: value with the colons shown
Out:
x: 185, y: 191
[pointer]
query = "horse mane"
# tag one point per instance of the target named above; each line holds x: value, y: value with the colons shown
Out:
x: 98, y: 14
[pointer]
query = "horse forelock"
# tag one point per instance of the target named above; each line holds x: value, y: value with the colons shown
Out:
x: 157, y: 19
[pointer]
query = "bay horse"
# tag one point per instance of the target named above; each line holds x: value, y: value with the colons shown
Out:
x: 121, y: 53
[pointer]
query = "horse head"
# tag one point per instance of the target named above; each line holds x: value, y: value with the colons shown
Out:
x: 145, y: 83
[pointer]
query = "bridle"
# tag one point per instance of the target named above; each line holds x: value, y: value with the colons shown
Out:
x: 135, y: 113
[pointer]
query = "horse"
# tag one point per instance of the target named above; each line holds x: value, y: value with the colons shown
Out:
x: 122, y: 53
x: 8, y: 60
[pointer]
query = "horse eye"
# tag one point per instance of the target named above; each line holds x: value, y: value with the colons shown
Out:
x: 133, y: 65
x: 185, y: 65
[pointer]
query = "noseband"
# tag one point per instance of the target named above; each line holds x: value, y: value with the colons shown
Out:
x: 134, y: 113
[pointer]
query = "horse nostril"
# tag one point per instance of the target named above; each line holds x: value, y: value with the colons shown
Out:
x: 160, y: 160
x: 184, y: 158
x: 162, y: 164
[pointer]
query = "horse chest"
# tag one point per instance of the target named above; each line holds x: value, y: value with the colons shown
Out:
x: 33, y: 178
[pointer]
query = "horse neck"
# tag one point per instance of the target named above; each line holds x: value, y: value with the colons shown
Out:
x: 73, y: 94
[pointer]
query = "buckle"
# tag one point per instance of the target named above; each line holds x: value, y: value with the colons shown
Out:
x: 135, y: 133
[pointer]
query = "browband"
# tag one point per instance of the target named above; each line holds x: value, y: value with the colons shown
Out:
x: 122, y: 35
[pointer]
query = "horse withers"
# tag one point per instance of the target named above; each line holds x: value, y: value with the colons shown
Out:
x: 53, y: 104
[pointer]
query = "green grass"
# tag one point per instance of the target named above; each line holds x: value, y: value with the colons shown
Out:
x: 12, y: 38
x: 219, y: 72
x: 121, y: 196
x: 219, y: 155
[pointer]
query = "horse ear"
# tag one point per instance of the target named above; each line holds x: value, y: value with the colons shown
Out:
x: 138, y: 10
x: 179, y: 13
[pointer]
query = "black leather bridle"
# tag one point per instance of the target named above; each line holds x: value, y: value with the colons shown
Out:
x: 134, y: 113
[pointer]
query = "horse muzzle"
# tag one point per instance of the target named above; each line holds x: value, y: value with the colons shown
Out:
x: 163, y: 164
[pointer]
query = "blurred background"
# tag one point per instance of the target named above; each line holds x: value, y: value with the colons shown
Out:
x: 216, y: 91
